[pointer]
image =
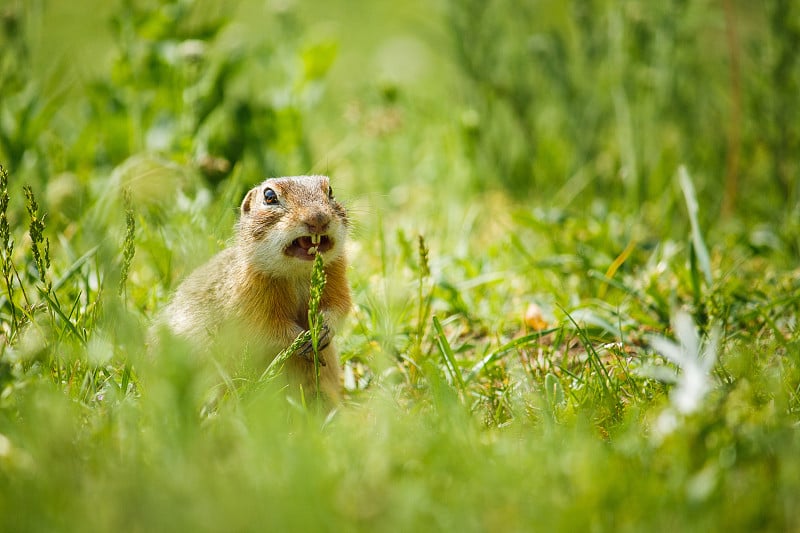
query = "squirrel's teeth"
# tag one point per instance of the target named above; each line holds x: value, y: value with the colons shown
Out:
x: 315, y: 238
x: 312, y: 250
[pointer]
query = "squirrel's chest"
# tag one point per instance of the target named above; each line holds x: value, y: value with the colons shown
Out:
x: 299, y: 304
x: 272, y: 305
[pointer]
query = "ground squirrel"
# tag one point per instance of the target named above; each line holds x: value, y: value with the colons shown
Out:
x: 254, y: 294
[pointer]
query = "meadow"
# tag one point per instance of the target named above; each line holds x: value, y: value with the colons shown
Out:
x: 574, y: 260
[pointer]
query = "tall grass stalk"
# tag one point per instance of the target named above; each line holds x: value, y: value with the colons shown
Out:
x: 128, y: 247
x: 423, y: 300
x: 40, y: 245
x: 315, y: 318
x: 7, y: 249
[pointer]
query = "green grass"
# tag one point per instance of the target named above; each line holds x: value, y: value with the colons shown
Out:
x: 574, y: 266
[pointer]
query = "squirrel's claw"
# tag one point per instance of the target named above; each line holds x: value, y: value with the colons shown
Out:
x: 307, y: 350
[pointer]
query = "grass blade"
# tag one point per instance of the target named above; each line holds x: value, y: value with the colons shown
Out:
x: 447, y: 354
x: 74, y: 268
x: 594, y: 357
x: 699, y: 245
x: 504, y: 349
x: 275, y: 367
x: 67, y: 322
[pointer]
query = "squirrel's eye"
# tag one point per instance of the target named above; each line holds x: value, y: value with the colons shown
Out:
x: 330, y: 192
x: 270, y: 197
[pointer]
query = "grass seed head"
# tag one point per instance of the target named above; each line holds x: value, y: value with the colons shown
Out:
x: 129, y: 248
x: 40, y: 245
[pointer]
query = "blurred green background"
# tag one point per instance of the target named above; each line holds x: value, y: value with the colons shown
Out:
x: 543, y: 192
x: 580, y: 100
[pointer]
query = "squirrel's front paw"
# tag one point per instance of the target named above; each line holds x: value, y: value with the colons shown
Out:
x: 307, y: 349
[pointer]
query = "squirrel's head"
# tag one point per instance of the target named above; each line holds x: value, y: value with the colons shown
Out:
x: 284, y: 222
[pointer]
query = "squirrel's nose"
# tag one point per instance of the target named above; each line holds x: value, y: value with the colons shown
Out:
x: 318, y: 223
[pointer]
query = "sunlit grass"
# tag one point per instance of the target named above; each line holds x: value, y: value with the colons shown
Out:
x: 560, y: 358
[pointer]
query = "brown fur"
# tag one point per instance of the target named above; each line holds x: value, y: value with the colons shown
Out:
x: 251, y: 297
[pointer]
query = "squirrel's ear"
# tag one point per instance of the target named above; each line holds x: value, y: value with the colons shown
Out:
x: 248, y: 201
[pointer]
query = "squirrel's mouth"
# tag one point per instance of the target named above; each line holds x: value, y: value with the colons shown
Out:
x: 307, y: 246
